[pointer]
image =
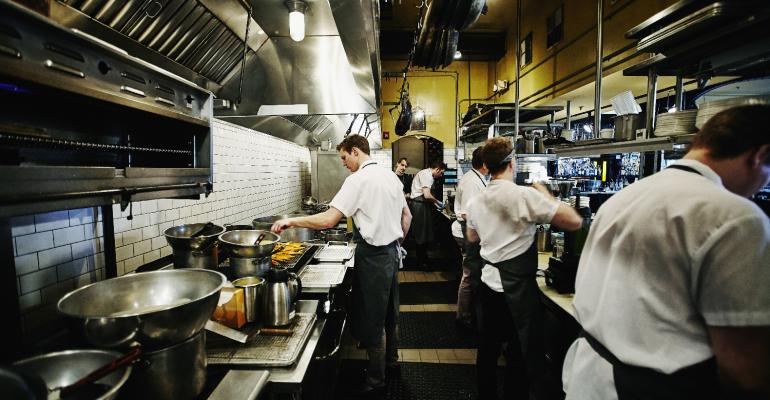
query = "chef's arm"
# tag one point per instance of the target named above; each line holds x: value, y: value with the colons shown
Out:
x: 566, y: 217
x: 406, y: 221
x: 471, y: 235
x: 428, y: 196
x: 743, y: 360
x: 324, y: 220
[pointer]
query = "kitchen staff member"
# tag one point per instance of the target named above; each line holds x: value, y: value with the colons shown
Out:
x: 503, y: 218
x: 372, y: 197
x: 405, y: 179
x: 470, y: 185
x: 672, y: 286
x: 422, y: 206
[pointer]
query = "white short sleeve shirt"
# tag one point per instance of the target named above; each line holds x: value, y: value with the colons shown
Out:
x: 665, y: 258
x: 504, y: 215
x: 471, y: 184
x: 423, y: 179
x: 373, y: 197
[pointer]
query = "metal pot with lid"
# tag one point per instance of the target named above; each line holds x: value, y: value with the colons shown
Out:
x: 194, y: 245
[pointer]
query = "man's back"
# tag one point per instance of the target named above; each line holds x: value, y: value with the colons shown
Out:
x: 652, y: 263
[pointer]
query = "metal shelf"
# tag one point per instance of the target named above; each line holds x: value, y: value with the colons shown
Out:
x: 538, y: 157
x: 654, y: 144
x: 507, y: 114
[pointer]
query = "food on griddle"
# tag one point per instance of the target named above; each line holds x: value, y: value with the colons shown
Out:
x: 285, y: 252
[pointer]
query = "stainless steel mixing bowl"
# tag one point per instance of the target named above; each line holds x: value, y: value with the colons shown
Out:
x: 155, y: 309
x: 289, y: 235
x: 67, y: 367
x: 178, y: 237
x: 241, y: 243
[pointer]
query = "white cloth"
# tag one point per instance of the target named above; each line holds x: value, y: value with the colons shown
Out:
x: 423, y: 179
x: 504, y: 215
x: 664, y: 258
x: 471, y: 184
x: 372, y: 196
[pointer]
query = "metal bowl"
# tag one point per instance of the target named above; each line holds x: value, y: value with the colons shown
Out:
x: 178, y: 237
x: 241, y: 243
x: 289, y: 235
x: 155, y: 309
x: 67, y: 367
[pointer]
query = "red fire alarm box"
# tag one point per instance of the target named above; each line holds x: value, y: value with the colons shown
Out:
x: 385, y: 135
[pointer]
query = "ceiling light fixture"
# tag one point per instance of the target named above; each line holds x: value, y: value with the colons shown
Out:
x: 458, y: 55
x: 296, y: 19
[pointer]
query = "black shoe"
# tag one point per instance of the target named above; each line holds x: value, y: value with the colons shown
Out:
x: 365, y: 390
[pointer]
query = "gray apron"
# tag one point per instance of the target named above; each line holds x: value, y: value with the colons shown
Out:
x: 522, y: 295
x: 422, y: 220
x: 698, y: 381
x: 472, y: 259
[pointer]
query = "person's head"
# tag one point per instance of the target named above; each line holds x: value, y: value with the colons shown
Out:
x: 437, y: 169
x: 496, y: 153
x: 401, y: 165
x: 477, y: 161
x: 738, y: 137
x: 354, y: 150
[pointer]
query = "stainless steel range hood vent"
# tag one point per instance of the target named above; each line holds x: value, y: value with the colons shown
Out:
x: 334, y: 70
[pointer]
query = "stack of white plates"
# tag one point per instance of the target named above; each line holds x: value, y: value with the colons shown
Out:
x: 584, y: 201
x: 676, y: 123
x: 708, y: 110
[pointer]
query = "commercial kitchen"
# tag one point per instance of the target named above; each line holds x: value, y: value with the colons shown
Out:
x: 148, y: 147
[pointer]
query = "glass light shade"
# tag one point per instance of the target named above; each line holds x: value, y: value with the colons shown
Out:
x: 296, y: 26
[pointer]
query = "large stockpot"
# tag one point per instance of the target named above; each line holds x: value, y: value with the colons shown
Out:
x: 194, y: 252
x: 176, y: 372
x: 155, y: 309
x: 288, y: 235
x: 242, y: 244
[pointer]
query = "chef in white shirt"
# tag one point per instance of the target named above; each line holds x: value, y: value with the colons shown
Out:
x: 503, y: 219
x: 470, y: 185
x: 673, y: 285
x: 422, y: 206
x: 372, y: 196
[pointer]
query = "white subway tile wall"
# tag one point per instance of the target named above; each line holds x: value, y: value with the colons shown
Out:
x: 255, y: 174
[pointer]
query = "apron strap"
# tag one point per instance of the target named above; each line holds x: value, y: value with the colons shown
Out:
x: 685, y: 168
x: 515, y: 260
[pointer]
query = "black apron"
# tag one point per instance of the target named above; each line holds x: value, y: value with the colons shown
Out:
x: 698, y: 381
x: 375, y: 289
x: 522, y: 295
x: 473, y: 260
x: 422, y: 220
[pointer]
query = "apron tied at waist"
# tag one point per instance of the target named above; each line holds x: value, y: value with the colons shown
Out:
x: 697, y: 381
x: 522, y: 297
x: 422, y: 221
x: 375, y: 289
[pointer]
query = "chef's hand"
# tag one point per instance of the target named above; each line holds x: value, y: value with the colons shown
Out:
x: 440, y: 205
x: 280, y: 225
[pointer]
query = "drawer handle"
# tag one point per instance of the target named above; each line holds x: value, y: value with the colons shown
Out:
x: 63, y: 68
x: 9, y: 51
x: 129, y: 89
x: 165, y: 102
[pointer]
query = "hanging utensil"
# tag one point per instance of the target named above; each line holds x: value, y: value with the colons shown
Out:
x: 454, y: 38
x: 474, y: 12
x: 404, y: 122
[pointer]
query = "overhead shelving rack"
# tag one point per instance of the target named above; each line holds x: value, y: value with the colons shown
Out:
x: 503, y: 116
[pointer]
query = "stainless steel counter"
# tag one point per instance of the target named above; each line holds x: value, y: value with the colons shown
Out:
x: 241, y: 385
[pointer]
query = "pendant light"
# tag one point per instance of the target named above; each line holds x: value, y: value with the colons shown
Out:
x: 296, y: 19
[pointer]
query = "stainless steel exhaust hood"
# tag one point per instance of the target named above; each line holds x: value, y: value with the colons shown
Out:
x: 334, y: 72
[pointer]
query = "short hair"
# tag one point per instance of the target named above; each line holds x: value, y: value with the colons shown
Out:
x: 438, y: 164
x: 734, y: 131
x: 477, y: 159
x: 357, y: 141
x: 403, y: 159
x: 495, y: 150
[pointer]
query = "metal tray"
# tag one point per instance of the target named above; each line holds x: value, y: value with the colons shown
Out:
x: 692, y: 24
x: 263, y: 351
x: 334, y: 253
x: 322, y: 275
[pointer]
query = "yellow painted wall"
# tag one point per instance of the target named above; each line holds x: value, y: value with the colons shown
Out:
x: 575, y: 51
x: 435, y: 93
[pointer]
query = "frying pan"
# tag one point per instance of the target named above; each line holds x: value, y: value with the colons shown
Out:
x: 454, y: 37
x: 438, y: 50
x: 461, y: 13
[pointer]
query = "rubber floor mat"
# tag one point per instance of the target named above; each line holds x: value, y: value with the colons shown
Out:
x: 433, y: 330
x: 428, y: 292
x: 418, y: 381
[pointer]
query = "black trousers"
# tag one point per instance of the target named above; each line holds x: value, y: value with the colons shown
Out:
x: 497, y: 333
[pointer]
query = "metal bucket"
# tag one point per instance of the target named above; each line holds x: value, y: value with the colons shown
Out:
x: 626, y: 126
x: 543, y: 239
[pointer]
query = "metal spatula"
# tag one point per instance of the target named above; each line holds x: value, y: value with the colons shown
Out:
x: 69, y: 390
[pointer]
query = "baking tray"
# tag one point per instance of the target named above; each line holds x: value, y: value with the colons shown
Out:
x: 322, y: 275
x: 262, y: 350
x: 706, y: 18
